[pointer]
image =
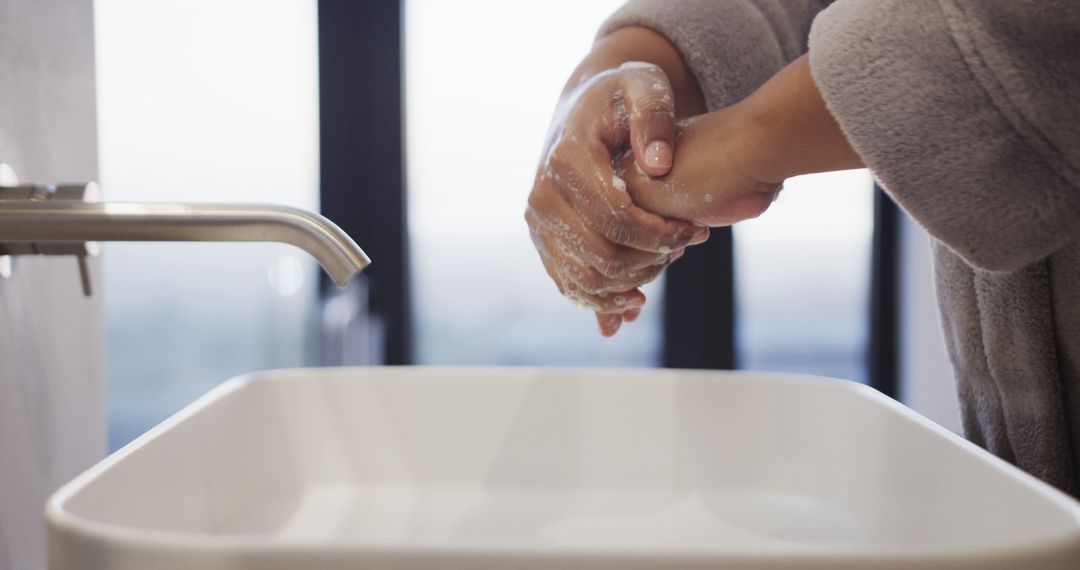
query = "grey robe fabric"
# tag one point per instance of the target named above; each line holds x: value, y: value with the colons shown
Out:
x: 968, y: 114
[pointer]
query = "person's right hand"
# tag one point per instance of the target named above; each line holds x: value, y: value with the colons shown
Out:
x: 711, y: 181
x: 594, y: 242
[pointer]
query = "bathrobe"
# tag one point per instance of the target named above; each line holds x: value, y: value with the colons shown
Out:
x: 968, y: 115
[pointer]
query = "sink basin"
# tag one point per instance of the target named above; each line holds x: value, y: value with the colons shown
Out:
x: 436, y: 468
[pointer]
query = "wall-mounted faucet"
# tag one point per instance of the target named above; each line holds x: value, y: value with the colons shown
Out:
x: 67, y: 220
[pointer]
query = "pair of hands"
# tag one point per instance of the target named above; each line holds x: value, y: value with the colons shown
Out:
x: 623, y: 188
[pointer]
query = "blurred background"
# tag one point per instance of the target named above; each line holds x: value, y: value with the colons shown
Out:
x: 417, y: 125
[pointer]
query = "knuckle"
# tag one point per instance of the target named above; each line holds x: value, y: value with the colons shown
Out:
x: 555, y: 278
x: 673, y: 239
x: 654, y: 104
x: 566, y: 272
x: 652, y: 260
x: 605, y: 304
x: 565, y: 157
x: 530, y: 217
x: 618, y: 233
x: 617, y: 286
x: 540, y: 244
x: 606, y: 258
x: 593, y: 288
x: 611, y: 268
x: 537, y: 202
x: 618, y: 228
x: 635, y: 279
x: 650, y: 275
x: 608, y: 227
x: 559, y: 159
x: 568, y: 178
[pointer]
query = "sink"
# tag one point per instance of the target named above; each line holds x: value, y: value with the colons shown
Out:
x: 435, y: 468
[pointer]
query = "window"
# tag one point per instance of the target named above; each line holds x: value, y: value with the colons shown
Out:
x: 802, y: 274
x: 479, y: 95
x: 211, y: 101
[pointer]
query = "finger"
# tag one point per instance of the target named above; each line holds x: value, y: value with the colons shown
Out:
x: 572, y: 270
x: 550, y: 212
x: 609, y: 323
x: 604, y: 303
x: 609, y: 209
x: 563, y: 273
x: 650, y: 104
x: 631, y: 315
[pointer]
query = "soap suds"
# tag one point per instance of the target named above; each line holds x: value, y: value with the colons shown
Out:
x: 618, y: 183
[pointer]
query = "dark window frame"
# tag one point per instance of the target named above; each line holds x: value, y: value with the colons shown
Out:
x: 362, y: 162
x: 883, y: 354
x: 699, y: 306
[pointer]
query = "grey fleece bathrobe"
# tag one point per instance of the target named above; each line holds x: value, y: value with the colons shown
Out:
x: 968, y: 114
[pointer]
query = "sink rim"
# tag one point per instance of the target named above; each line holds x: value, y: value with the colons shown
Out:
x: 59, y: 518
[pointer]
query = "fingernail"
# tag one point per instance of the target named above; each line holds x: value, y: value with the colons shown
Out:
x: 658, y: 155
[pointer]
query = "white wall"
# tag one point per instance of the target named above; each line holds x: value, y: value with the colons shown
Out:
x: 52, y: 377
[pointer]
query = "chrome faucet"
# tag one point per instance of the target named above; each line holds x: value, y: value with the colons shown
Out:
x: 67, y: 220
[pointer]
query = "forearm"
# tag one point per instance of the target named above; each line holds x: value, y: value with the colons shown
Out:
x: 789, y: 129
x: 636, y: 43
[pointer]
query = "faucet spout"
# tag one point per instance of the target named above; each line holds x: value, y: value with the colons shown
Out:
x: 66, y: 221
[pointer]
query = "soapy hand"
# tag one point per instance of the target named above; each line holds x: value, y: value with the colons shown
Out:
x: 595, y: 243
x: 730, y: 164
x: 606, y: 219
x: 711, y: 181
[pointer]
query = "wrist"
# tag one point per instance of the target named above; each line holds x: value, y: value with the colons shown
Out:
x: 789, y: 129
x: 763, y: 147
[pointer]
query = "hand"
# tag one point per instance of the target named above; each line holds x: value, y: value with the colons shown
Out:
x: 729, y: 164
x: 595, y: 243
x: 709, y: 183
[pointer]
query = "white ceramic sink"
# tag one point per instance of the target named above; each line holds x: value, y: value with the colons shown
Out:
x: 415, y: 468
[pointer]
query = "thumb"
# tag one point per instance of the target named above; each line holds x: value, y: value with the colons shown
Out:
x: 650, y: 103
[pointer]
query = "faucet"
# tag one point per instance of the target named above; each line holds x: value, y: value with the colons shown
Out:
x: 67, y: 220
